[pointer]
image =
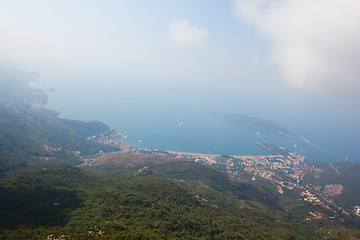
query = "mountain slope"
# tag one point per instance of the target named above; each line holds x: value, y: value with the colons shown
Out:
x: 45, y: 194
x: 189, y: 171
x: 31, y: 133
x: 82, y: 204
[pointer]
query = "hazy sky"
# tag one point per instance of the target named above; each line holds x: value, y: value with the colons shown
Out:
x: 271, y: 55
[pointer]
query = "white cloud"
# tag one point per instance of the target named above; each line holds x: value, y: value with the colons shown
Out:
x: 183, y: 34
x: 315, y: 43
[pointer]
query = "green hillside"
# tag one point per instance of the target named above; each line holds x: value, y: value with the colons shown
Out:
x: 46, y: 194
x: 102, y: 204
x: 30, y: 133
x: 345, y: 174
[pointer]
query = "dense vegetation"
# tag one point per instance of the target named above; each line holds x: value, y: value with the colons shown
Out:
x: 103, y: 204
x: 346, y: 174
x: 44, y: 194
x: 29, y: 134
x: 80, y: 203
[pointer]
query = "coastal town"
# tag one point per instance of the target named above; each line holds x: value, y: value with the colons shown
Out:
x: 285, y: 170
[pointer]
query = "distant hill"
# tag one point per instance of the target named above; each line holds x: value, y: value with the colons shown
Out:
x: 254, y: 122
x: 53, y: 185
x: 30, y: 133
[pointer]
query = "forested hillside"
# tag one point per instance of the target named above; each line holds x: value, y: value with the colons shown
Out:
x: 46, y: 194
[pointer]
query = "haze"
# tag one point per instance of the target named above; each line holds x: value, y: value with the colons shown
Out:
x: 130, y: 63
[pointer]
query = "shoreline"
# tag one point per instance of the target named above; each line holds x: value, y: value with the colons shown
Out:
x: 216, y: 155
x: 212, y: 157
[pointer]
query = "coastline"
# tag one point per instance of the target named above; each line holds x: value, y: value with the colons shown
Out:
x: 211, y: 158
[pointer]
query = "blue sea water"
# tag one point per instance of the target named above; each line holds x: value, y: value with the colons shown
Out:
x: 200, y: 133
x: 206, y: 133
x: 182, y: 123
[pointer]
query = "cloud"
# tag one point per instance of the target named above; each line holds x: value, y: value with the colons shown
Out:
x: 183, y: 34
x: 315, y: 43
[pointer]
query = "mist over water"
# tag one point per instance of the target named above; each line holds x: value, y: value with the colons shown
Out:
x: 144, y: 68
x: 176, y: 117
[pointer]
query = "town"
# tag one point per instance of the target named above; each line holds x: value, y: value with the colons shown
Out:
x: 285, y: 169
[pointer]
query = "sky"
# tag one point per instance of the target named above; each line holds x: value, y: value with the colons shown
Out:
x: 290, y: 61
x: 306, y: 44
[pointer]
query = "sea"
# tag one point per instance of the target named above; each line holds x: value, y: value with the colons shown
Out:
x: 170, y: 124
